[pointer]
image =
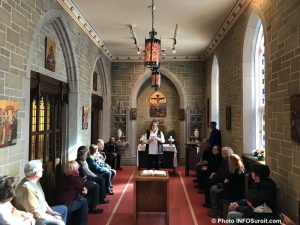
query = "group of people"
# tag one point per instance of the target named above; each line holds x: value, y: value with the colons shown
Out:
x: 220, y: 176
x: 84, y: 185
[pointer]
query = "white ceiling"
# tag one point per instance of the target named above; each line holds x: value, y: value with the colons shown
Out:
x: 198, y: 22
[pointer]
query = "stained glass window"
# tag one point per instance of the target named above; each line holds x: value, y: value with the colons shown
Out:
x: 260, y: 90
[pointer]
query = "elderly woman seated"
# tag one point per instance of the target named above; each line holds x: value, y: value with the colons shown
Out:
x: 8, y: 213
x: 31, y: 198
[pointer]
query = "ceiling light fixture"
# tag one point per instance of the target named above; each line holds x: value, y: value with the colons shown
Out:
x: 152, y: 46
x: 152, y: 53
x: 174, y: 39
x: 156, y: 79
x: 134, y: 39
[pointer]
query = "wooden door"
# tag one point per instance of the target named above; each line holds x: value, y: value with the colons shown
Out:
x: 47, y: 98
x: 95, y: 117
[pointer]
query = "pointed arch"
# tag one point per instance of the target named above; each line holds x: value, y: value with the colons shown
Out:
x: 132, y: 128
x: 105, y: 94
x: 56, y: 18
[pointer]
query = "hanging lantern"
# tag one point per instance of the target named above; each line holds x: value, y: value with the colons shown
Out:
x: 152, y: 50
x: 156, y: 79
x: 152, y: 46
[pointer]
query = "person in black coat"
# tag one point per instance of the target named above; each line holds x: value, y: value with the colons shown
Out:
x: 217, y: 177
x: 208, y: 165
x: 232, y: 187
x: 261, y: 182
x: 112, y: 154
x: 259, y: 212
x: 215, y: 135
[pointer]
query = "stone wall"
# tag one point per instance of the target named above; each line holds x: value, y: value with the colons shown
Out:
x: 190, y: 78
x: 281, y: 21
x: 23, y: 28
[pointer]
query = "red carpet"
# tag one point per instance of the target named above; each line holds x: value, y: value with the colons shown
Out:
x: 180, y: 211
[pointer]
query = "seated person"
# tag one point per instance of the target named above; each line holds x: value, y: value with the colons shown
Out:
x: 8, y: 213
x: 217, y: 177
x: 101, y: 157
x: 112, y: 154
x: 100, y: 169
x: 86, y: 173
x: 259, y: 209
x: 31, y: 198
x: 207, y: 166
x: 71, y: 191
x: 232, y: 188
x: 261, y: 182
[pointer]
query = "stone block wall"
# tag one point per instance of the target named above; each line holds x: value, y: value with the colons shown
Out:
x: 191, y: 76
x: 281, y: 20
x: 20, y: 53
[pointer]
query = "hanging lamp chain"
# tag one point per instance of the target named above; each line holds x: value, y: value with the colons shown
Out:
x: 152, y: 15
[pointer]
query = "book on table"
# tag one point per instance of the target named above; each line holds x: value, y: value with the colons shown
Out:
x: 159, y: 173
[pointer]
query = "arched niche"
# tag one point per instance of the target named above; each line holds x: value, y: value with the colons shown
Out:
x: 132, y: 124
x: 103, y: 90
x: 71, y: 112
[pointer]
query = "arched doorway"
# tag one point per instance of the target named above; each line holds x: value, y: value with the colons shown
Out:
x: 133, y: 138
x: 100, y: 103
x: 52, y: 105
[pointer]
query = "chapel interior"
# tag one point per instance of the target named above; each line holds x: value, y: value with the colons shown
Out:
x: 73, y: 71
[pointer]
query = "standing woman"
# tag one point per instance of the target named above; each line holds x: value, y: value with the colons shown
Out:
x: 154, y: 145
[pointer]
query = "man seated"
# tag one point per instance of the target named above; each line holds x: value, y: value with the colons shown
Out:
x: 259, y: 210
x: 112, y: 154
x: 100, y: 169
x: 101, y: 157
x: 31, y: 198
x: 86, y: 173
x: 261, y: 182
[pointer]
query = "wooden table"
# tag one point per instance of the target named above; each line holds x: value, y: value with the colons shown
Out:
x: 150, y: 194
x: 168, y: 159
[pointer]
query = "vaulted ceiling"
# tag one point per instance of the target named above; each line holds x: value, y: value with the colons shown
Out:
x: 198, y: 21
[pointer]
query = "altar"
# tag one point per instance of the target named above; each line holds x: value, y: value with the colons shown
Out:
x: 168, y: 159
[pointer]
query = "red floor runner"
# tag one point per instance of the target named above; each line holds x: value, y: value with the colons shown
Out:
x: 180, y: 213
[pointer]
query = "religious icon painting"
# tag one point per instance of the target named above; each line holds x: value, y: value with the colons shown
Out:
x: 133, y: 113
x: 85, y: 116
x: 181, y: 114
x: 8, y: 122
x: 50, y: 57
x: 158, y: 105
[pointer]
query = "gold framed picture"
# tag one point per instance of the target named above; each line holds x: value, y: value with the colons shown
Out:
x: 8, y: 122
x: 85, y: 116
x: 50, y: 57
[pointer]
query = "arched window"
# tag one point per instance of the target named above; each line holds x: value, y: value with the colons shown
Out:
x: 254, y: 134
x: 215, y: 91
x: 260, y: 89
